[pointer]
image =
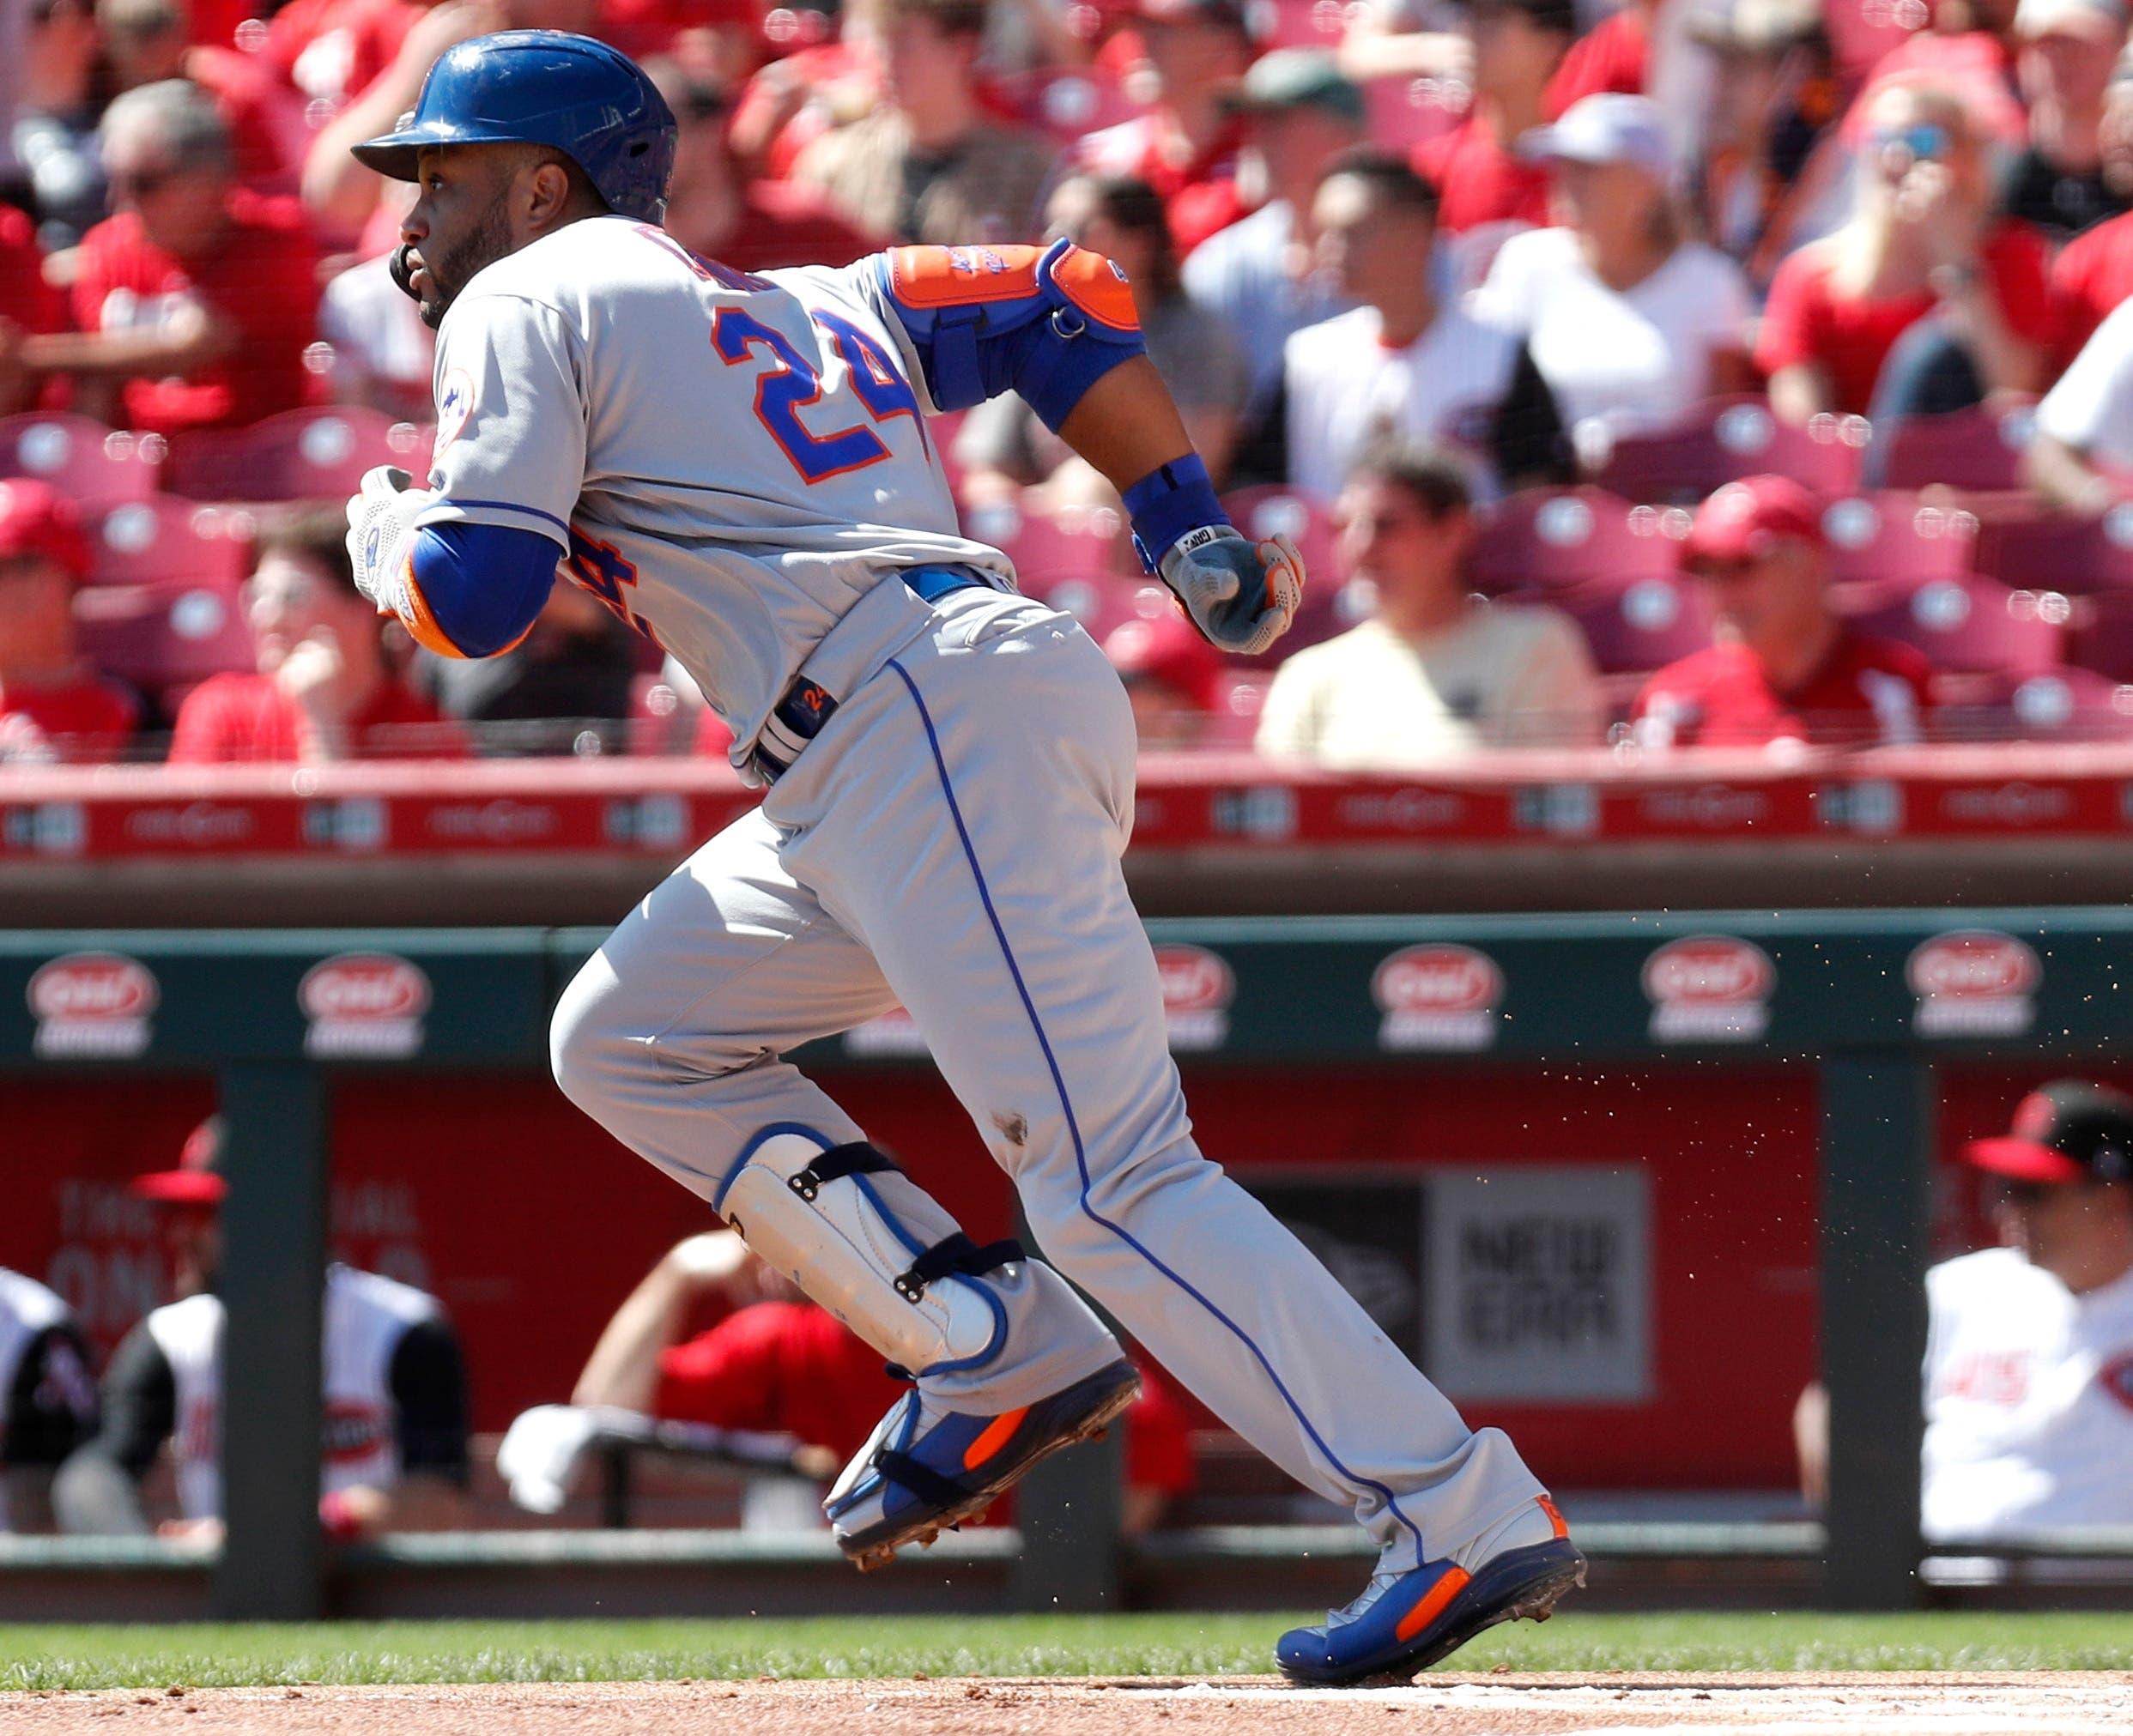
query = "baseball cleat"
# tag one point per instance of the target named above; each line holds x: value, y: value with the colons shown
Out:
x: 1405, y: 1622
x: 925, y: 1471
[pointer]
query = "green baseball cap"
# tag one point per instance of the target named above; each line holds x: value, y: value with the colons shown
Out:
x: 1292, y: 78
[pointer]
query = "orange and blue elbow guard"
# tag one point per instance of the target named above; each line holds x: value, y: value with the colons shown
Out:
x: 474, y: 590
x: 1047, y: 324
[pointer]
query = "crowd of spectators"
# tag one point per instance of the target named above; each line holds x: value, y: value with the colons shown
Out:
x: 1402, y: 264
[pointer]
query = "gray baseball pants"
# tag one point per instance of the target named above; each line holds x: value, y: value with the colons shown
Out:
x: 951, y: 841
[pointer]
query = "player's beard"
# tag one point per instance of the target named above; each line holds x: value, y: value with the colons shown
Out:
x: 454, y: 268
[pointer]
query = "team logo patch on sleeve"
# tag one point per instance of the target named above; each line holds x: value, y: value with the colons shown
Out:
x: 455, y: 402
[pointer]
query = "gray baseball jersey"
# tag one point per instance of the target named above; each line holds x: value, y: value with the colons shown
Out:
x: 750, y: 455
x: 731, y: 464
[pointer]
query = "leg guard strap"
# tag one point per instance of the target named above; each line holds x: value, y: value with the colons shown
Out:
x: 858, y: 1158
x: 955, y: 1256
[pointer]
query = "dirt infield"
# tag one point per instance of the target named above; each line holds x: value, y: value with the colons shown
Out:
x: 2067, y: 1704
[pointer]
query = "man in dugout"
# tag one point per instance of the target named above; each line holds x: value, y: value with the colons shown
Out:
x: 395, y: 1447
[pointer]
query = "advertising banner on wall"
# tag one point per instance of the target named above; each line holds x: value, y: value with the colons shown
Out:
x: 1537, y: 1284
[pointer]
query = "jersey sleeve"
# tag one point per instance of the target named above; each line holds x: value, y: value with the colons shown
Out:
x: 2091, y: 408
x: 511, y: 418
x: 53, y: 1408
x: 140, y: 1403
x: 726, y: 1376
x: 429, y: 1395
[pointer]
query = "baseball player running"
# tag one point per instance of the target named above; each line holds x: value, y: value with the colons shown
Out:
x: 741, y: 468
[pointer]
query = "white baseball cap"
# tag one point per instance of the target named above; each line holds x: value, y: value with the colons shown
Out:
x: 1608, y: 127
x: 2104, y: 20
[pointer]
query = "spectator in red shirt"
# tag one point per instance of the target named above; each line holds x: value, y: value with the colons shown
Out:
x: 713, y: 210
x: 52, y: 706
x: 197, y: 300
x: 1478, y: 173
x: 1786, y: 668
x: 780, y: 1364
x: 2093, y: 272
x: 1186, y: 145
x: 324, y: 689
x: 28, y: 304
x: 1924, y: 253
x: 1614, y: 56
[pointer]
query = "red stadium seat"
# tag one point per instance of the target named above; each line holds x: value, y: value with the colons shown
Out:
x: 92, y: 465
x: 299, y: 455
x: 1892, y: 537
x: 1304, y: 519
x: 163, y: 538
x: 1045, y: 548
x: 2060, y: 703
x: 1631, y: 625
x: 1964, y: 449
x: 1548, y: 537
x: 1724, y: 439
x: 2102, y: 637
x: 1067, y: 103
x: 2028, y: 546
x: 1967, y: 623
x: 163, y: 634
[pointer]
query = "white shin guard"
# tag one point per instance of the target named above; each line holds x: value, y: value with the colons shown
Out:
x: 871, y: 1246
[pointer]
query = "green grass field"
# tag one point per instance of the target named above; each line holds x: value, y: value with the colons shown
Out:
x: 1125, y: 1645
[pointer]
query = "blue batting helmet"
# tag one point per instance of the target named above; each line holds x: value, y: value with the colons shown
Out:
x: 591, y: 102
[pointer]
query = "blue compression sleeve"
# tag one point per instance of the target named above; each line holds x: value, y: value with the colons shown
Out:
x: 483, y: 584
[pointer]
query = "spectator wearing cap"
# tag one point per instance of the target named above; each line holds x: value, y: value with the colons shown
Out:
x: 1785, y: 667
x: 324, y: 688
x: 1406, y: 359
x: 1924, y: 299
x: 1260, y: 276
x: 1479, y: 175
x: 1186, y: 145
x: 2080, y: 456
x: 1433, y: 673
x: 52, y: 706
x: 2067, y: 51
x: 1628, y: 321
x: 1004, y: 447
x: 394, y: 1388
x: 197, y: 300
x: 714, y: 209
x: 2028, y: 1379
x: 927, y: 164
x: 2068, y: 54
x: 1172, y: 676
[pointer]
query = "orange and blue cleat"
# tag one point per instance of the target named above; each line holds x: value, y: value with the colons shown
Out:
x: 926, y: 1470
x: 1406, y: 1621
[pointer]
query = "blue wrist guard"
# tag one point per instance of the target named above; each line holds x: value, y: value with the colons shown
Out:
x: 1170, y: 500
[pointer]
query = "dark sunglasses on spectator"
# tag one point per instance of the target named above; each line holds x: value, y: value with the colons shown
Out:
x: 1926, y: 140
x: 143, y: 183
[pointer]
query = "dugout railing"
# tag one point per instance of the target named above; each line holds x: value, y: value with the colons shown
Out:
x: 1872, y: 1001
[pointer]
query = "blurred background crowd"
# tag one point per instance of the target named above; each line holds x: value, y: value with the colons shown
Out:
x: 1740, y: 372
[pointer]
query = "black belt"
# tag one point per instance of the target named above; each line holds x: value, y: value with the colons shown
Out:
x: 797, y: 719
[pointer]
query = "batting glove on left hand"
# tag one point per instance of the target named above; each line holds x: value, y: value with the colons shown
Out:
x: 1241, y: 595
x: 381, y: 526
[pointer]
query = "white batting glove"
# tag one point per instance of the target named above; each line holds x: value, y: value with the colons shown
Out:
x: 1241, y: 595
x: 381, y: 526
